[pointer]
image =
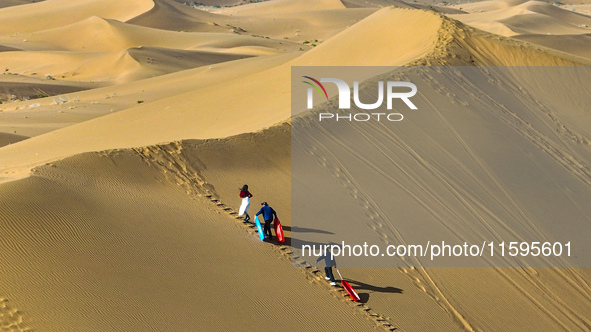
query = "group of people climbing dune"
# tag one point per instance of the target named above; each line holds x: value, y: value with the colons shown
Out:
x: 269, y: 214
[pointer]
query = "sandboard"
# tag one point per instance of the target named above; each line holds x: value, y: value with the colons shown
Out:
x: 259, y: 228
x: 278, y: 230
x: 348, y: 288
x: 350, y: 291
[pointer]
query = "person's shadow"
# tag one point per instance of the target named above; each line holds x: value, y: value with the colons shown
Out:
x: 358, y: 285
x: 305, y: 230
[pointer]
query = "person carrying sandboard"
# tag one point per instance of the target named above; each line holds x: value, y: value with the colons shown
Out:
x: 268, y: 215
x: 329, y: 263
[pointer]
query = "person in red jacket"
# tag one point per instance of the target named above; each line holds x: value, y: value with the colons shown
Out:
x: 245, y: 195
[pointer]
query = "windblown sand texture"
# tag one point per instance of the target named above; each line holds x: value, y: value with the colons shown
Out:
x: 127, y: 127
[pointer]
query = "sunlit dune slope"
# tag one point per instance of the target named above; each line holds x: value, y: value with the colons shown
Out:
x: 96, y: 34
x: 258, y: 101
x: 51, y: 14
x: 112, y: 241
x: 43, y: 115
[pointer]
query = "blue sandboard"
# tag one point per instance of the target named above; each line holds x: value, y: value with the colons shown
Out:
x: 260, y: 228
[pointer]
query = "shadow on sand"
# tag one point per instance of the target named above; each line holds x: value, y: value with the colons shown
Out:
x: 305, y: 230
x: 358, y: 285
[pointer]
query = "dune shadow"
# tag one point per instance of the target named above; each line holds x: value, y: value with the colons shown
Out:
x: 363, y: 286
x: 297, y: 244
x: 305, y: 230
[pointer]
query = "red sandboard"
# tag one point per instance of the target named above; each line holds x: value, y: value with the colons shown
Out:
x: 350, y: 291
x: 278, y: 230
x: 348, y: 288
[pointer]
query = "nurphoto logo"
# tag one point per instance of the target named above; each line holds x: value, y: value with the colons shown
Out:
x: 344, y: 92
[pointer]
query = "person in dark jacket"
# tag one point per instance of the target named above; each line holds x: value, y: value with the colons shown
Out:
x: 329, y: 263
x: 268, y: 215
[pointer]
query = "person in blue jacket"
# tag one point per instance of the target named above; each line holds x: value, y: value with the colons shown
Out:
x: 268, y: 215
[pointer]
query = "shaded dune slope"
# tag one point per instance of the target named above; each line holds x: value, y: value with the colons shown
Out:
x: 170, y: 15
x: 6, y: 138
x: 574, y: 44
x: 472, y: 169
x: 29, y: 88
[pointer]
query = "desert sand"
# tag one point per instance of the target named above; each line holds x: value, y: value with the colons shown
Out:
x: 127, y: 127
x: 561, y: 28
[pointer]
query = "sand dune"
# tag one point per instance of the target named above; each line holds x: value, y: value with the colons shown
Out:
x: 371, y: 182
x: 187, y: 266
x: 532, y: 17
x: 312, y: 26
x: 451, y: 43
x: 219, y: 2
x: 584, y: 9
x: 119, y: 211
x: 6, y: 138
x: 33, y: 118
x: 25, y: 88
x: 9, y: 3
x: 436, y: 6
x: 269, y: 104
x: 153, y: 56
x: 99, y: 38
x: 170, y: 15
x: 573, y: 44
x: 281, y: 7
x: 128, y: 65
x: 97, y: 34
x: 4, y: 48
x: 51, y: 14
x: 73, y: 66
x: 402, y: 41
x: 533, y: 21
x: 299, y: 24
x: 487, y: 6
